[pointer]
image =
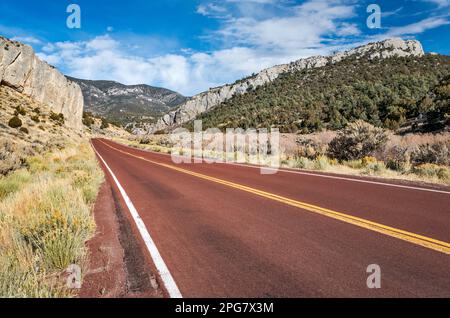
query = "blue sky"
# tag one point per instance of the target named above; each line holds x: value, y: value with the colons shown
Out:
x: 192, y: 45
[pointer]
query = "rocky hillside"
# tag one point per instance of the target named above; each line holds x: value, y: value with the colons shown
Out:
x: 206, y: 101
x: 397, y: 93
x: 24, y: 72
x: 127, y: 105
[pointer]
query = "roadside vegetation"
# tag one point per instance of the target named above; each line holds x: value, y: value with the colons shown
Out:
x: 362, y: 149
x: 45, y: 218
x: 358, y: 149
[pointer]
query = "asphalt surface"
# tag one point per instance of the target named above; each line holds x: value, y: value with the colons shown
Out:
x: 221, y: 238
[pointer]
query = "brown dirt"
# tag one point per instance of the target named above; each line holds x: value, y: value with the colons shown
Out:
x: 118, y: 266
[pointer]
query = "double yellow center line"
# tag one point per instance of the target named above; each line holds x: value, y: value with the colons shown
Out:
x: 424, y: 241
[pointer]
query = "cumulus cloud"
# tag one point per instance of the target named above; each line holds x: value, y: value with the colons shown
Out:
x: 275, y: 32
x: 27, y: 39
x: 249, y: 45
x: 440, y: 3
x: 418, y: 27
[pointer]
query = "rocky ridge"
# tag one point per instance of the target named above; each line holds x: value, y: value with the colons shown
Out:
x: 205, y: 101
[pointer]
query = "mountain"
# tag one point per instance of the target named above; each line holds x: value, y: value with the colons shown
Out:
x: 24, y: 72
x: 387, y: 93
x: 127, y: 105
x: 207, y: 101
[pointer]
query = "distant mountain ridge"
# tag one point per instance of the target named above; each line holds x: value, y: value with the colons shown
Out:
x: 129, y: 105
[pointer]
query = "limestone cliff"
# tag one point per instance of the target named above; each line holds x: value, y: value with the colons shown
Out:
x: 23, y: 71
x: 205, y: 101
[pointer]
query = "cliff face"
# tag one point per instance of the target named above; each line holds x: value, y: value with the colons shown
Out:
x: 206, y: 101
x: 23, y: 71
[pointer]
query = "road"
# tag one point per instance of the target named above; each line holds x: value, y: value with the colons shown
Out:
x: 227, y: 231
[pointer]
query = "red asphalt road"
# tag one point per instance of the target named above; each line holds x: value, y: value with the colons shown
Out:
x: 218, y: 241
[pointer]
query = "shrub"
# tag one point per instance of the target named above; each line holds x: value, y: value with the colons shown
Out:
x: 20, y: 111
x: 144, y: 141
x: 15, y: 122
x: 368, y: 160
x: 46, y: 222
x: 398, y: 158
x: 104, y: 124
x: 303, y: 163
x: 24, y: 130
x: 88, y: 121
x: 375, y: 168
x: 13, y: 183
x: 358, y: 140
x: 35, y: 119
x: 37, y: 110
x: 321, y: 163
x: 310, y: 149
x: 12, y: 156
x: 438, y: 153
x: 432, y: 170
x: 58, y: 118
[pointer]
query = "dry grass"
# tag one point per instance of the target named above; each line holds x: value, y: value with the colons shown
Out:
x: 381, y: 165
x: 45, y: 220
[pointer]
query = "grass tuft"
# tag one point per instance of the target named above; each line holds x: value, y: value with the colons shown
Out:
x: 45, y: 217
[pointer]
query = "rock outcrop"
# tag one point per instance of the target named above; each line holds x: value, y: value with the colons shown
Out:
x: 23, y: 71
x: 206, y: 101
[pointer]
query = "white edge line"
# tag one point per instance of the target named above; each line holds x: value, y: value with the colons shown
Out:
x: 308, y: 173
x: 163, y: 271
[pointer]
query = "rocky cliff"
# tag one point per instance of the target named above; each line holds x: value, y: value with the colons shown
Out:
x: 206, y: 101
x: 23, y: 71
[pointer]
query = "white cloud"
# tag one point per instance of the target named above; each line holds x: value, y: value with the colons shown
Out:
x: 27, y: 39
x: 106, y: 58
x: 249, y: 45
x: 212, y: 10
x: 418, y: 27
x: 245, y: 43
x: 440, y: 3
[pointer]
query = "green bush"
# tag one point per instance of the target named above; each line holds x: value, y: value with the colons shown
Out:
x: 438, y: 153
x: 358, y: 140
x: 398, y: 158
x: 104, y: 124
x: 24, y: 130
x: 88, y: 121
x: 15, y: 122
x: 432, y: 170
x: 303, y: 163
x: 20, y: 111
x: 375, y: 168
x: 321, y: 163
x: 310, y: 149
x: 58, y: 118
x: 35, y: 119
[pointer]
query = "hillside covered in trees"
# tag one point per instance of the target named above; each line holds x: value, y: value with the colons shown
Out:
x: 387, y: 93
